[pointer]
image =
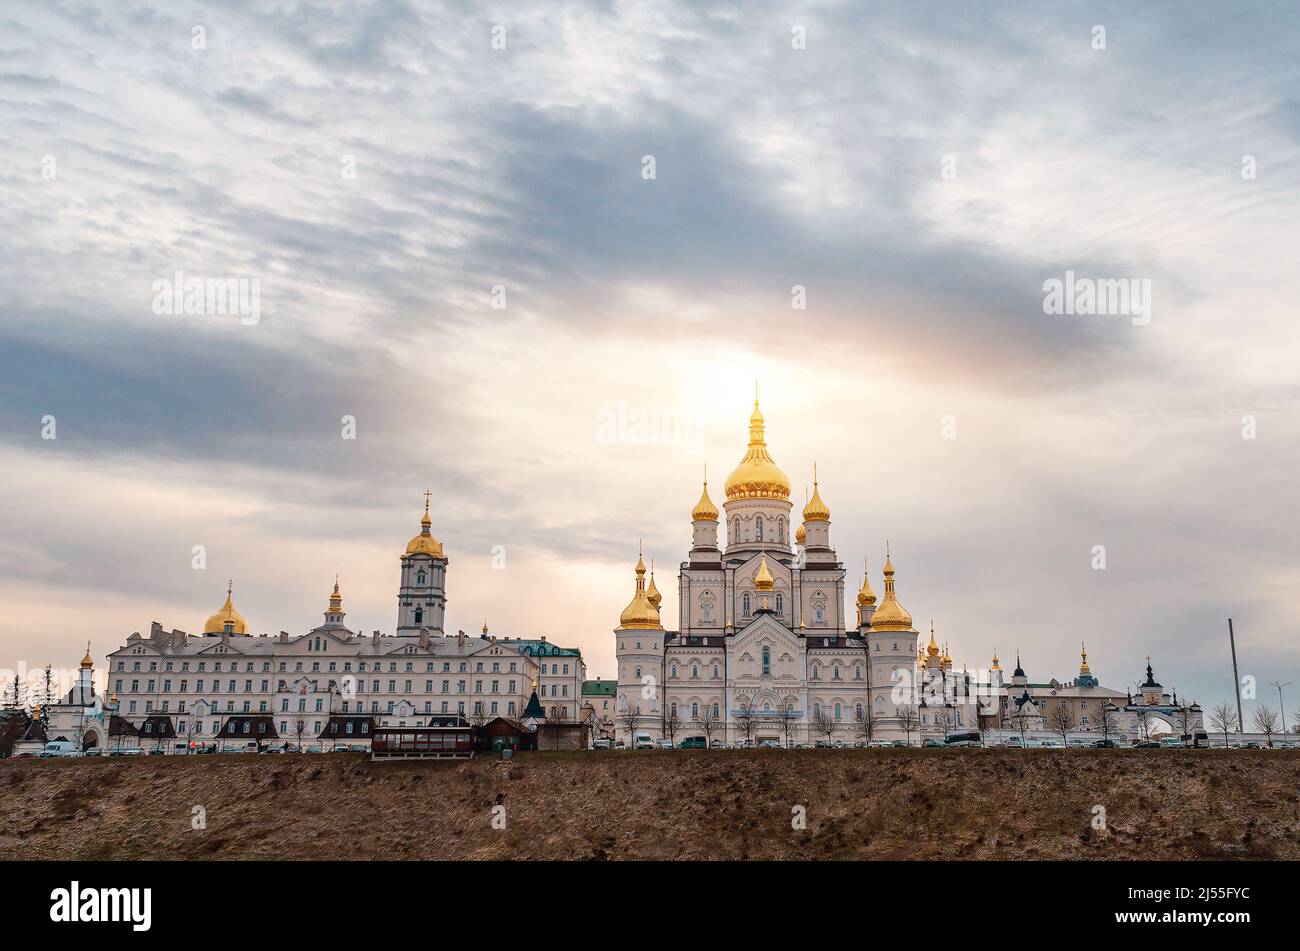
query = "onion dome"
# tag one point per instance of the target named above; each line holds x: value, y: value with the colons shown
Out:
x: 217, y: 624
x: 995, y: 666
x: 1083, y: 667
x: 640, y: 614
x: 424, y: 543
x: 800, y: 535
x: 889, y: 615
x: 816, y: 510
x: 757, y: 476
x: 652, y: 593
x: 86, y: 662
x: 705, y: 510
x: 865, y: 595
x: 336, y: 599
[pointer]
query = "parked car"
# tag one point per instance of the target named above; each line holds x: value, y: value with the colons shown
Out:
x: 963, y: 738
x: 1015, y: 743
x: 664, y: 744
x: 1147, y: 745
x: 902, y: 743
x: 768, y: 745
x: 1172, y: 743
x: 1105, y: 745
x: 59, y: 748
x: 693, y: 743
x: 603, y: 744
x: 1052, y: 745
x: 932, y: 743
x: 643, y: 742
x: 881, y: 744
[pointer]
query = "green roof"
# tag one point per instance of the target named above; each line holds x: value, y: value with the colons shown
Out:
x: 599, y: 688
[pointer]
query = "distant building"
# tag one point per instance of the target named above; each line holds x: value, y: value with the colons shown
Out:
x: 333, y: 685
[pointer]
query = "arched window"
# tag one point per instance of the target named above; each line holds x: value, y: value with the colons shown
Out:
x: 695, y: 711
x: 758, y: 528
x: 837, y: 711
x: 715, y: 671
x: 674, y: 670
x: 419, y: 615
x: 419, y: 576
x: 780, y: 603
x: 695, y: 670
x: 780, y: 530
x: 744, y: 603
x: 638, y: 673
x: 767, y: 660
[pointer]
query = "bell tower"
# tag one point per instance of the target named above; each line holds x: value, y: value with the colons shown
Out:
x: 422, y: 596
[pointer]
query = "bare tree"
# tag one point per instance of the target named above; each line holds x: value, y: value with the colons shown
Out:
x: 1224, y: 720
x: 1143, y: 718
x: 746, y: 722
x: 824, y: 723
x: 15, y: 694
x: 1061, y: 720
x: 787, y: 720
x: 48, y: 691
x: 1105, y: 718
x: 709, y: 722
x: 907, y: 721
x: 1021, y: 721
x: 629, y: 717
x: 864, y: 722
x: 672, y: 722
x: 1184, y: 715
x: 1266, y: 722
x: 299, y: 728
x: 944, y: 719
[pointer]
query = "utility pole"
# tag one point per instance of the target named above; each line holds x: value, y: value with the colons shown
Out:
x: 1236, y: 678
x: 1280, y: 704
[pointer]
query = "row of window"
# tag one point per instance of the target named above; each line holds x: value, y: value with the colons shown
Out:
x: 375, y: 667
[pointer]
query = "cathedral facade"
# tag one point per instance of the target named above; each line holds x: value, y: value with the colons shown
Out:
x: 763, y: 652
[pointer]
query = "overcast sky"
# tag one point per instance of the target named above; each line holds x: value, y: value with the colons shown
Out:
x: 921, y: 169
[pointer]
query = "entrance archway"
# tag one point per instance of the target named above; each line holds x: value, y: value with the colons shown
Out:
x: 90, y: 740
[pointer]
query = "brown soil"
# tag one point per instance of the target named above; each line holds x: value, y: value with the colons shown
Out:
x: 725, y: 804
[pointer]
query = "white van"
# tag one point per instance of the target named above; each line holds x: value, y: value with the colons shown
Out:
x: 60, y: 748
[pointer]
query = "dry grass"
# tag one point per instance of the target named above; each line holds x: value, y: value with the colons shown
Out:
x: 726, y: 804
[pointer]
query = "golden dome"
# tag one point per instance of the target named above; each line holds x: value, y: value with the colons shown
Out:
x: 652, y: 593
x: 865, y: 595
x: 763, y: 580
x: 217, y: 623
x: 757, y: 476
x: 705, y: 510
x: 86, y: 661
x: 640, y: 614
x: 995, y: 660
x: 800, y: 535
x: 424, y: 543
x: 1083, y: 667
x: 890, y: 615
x: 932, y: 649
x: 816, y: 510
x: 336, y: 599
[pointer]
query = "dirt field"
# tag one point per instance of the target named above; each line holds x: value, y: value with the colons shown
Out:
x: 726, y: 804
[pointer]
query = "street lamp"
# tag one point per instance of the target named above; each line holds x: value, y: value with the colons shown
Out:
x: 1280, y: 704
